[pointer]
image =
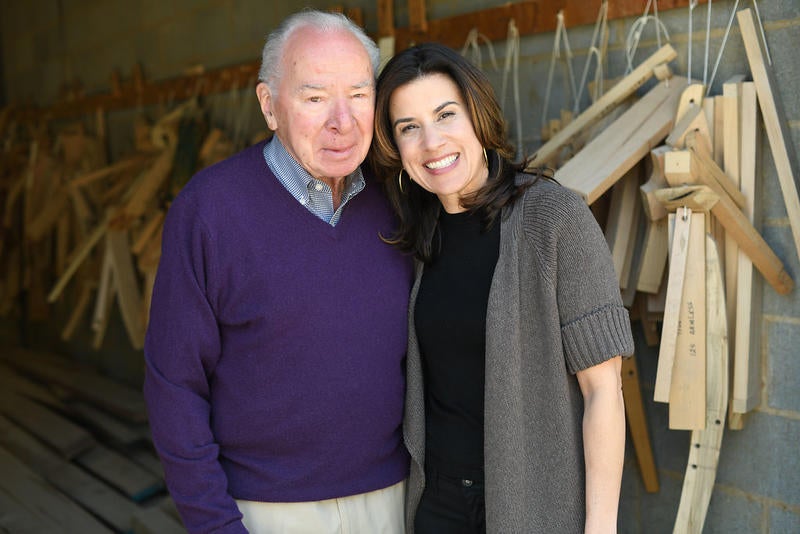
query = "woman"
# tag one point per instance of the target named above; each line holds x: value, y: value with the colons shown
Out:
x: 516, y: 324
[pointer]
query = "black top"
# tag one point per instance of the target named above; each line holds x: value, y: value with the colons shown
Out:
x: 450, y: 319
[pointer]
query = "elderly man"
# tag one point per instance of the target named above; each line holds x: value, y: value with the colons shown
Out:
x: 274, y: 357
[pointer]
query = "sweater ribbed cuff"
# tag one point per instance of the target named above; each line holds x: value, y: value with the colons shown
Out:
x: 596, y: 337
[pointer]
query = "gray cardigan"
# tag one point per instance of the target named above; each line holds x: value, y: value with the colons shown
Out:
x: 554, y: 309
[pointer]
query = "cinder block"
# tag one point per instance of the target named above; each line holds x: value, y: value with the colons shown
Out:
x: 762, y: 458
x: 781, y: 241
x: 782, y: 521
x: 783, y: 366
x: 732, y: 514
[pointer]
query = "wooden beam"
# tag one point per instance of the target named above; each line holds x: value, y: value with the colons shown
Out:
x: 637, y: 423
x: 128, y: 294
x: 79, y: 256
x: 675, y: 282
x: 780, y: 139
x: 735, y: 223
x: 385, y: 18
x: 417, y: 18
x: 687, y: 388
x: 747, y: 338
x: 730, y: 136
x: 68, y: 478
x: 59, y: 433
x: 623, y: 144
x: 531, y: 17
x: 127, y: 476
x: 654, y: 257
x: 83, y: 383
x: 605, y: 105
x: 38, y: 506
x: 620, y: 230
x: 704, y: 446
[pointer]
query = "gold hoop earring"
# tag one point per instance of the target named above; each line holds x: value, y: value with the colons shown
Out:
x: 485, y: 157
x: 400, y: 180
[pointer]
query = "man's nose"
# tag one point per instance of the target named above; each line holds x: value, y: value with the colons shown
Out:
x: 341, y: 116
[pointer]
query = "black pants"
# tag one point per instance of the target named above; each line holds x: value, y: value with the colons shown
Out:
x: 450, y: 505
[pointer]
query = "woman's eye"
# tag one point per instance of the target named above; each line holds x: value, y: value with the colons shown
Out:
x: 407, y: 128
x: 446, y: 114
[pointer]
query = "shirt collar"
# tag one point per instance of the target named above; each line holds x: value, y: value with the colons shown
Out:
x: 296, y: 179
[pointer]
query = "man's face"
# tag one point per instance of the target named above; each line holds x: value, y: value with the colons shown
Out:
x: 324, y: 107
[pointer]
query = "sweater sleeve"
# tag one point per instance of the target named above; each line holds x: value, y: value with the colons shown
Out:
x: 595, y: 325
x: 181, y: 349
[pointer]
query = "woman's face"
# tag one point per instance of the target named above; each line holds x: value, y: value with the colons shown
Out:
x: 437, y: 143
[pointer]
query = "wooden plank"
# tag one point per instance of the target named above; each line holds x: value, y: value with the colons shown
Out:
x: 78, y: 312
x: 64, y: 436
x: 127, y: 476
x: 42, y: 501
x: 675, y: 281
x: 753, y: 245
x: 621, y: 224
x: 605, y: 105
x: 687, y: 393
x: 82, y: 383
x: 735, y: 223
x: 747, y: 339
x: 654, y: 257
x: 144, y: 189
x: 109, y: 427
x: 136, y: 161
x: 417, y: 18
x: 710, y: 169
x: 80, y: 255
x: 128, y: 294
x: 637, y: 423
x: 623, y: 144
x: 694, y: 120
x: 103, y: 299
x: 731, y: 141
x: 385, y: 18
x: 780, y: 139
x: 10, y: 381
x: 532, y: 16
x: 45, y: 220
x: 78, y: 485
x: 15, y: 518
x: 150, y: 227
x: 704, y: 447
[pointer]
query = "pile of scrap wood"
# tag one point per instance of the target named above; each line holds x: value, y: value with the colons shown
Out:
x: 75, y: 452
x: 81, y: 229
x: 674, y: 180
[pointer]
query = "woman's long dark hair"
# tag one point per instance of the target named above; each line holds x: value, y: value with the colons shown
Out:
x: 416, y: 208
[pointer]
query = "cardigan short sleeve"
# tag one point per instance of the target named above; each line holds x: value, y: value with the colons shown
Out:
x: 595, y: 325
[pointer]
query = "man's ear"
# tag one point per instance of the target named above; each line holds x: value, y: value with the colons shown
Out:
x: 266, y: 102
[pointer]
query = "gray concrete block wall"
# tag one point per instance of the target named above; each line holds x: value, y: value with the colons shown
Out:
x: 758, y: 482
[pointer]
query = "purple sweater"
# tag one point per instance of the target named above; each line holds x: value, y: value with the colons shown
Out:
x: 274, y: 354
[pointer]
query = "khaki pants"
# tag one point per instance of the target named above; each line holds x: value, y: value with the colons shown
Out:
x: 375, y: 512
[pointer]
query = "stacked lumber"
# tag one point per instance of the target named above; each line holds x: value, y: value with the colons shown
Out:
x: 75, y: 452
x: 687, y: 249
x: 85, y: 231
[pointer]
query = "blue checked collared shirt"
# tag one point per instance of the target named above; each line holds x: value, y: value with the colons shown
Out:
x: 314, y: 194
